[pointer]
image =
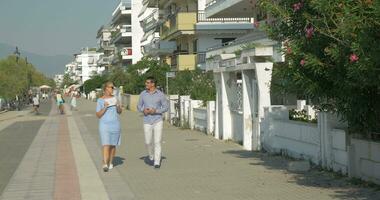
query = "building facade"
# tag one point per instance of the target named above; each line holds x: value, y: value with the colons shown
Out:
x: 126, y: 33
x: 242, y: 73
x: 186, y: 33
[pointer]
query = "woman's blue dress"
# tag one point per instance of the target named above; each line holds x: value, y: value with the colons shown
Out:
x: 109, y: 124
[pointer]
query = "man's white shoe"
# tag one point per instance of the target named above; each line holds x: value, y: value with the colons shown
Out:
x: 111, y: 166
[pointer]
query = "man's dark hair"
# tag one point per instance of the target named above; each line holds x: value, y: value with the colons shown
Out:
x: 152, y: 79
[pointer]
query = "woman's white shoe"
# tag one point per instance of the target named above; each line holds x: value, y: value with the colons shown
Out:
x: 105, y: 168
x: 111, y: 166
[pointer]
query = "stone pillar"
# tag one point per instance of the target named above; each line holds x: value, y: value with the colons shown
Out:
x: 184, y: 109
x: 225, y: 112
x: 326, y: 139
x: 193, y: 104
x: 217, y: 79
x: 210, y: 117
x: 172, y: 110
x: 248, y: 108
x: 262, y: 91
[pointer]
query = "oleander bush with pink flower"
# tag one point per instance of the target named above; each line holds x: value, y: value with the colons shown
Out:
x: 332, y: 53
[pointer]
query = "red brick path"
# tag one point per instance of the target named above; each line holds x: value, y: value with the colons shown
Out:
x: 66, y: 177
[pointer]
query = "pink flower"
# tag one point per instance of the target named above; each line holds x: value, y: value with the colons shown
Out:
x: 309, y: 32
x: 256, y: 24
x: 354, y: 58
x: 297, y: 6
x: 303, y: 62
x: 288, y: 50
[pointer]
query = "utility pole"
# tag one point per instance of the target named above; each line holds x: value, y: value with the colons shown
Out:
x: 17, y: 53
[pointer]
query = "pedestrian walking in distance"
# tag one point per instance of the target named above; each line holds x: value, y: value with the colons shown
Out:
x: 108, y: 110
x: 36, y: 104
x: 153, y: 103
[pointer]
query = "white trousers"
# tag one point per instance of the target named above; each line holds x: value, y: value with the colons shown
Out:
x: 153, y: 138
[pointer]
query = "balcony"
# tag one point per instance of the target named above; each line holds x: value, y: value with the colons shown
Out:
x: 150, y: 22
x: 231, y: 8
x: 122, y: 35
x: 159, y: 48
x: 225, y: 24
x: 105, y: 60
x: 150, y: 3
x: 182, y: 62
x: 181, y: 23
x: 122, y: 13
x: 126, y: 53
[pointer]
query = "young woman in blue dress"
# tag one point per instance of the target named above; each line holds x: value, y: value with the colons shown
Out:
x: 108, y: 110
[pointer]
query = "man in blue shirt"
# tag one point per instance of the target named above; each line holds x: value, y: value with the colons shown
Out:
x: 153, y: 104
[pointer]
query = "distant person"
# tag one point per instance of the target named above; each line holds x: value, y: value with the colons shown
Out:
x: 153, y: 104
x: 73, y: 103
x: 60, y: 102
x: 108, y: 110
x: 36, y: 104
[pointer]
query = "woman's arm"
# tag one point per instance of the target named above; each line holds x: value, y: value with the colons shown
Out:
x: 101, y: 110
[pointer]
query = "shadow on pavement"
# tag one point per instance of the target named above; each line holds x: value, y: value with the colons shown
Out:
x: 118, y: 160
x: 316, y: 177
x: 148, y: 162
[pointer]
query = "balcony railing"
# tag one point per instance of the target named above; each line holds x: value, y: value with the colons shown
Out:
x: 201, y: 57
x: 210, y: 3
x: 202, y: 18
x: 150, y: 22
x: 181, y: 21
x: 183, y: 61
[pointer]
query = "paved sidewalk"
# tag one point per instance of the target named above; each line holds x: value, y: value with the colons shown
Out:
x: 196, y: 166
x: 64, y: 162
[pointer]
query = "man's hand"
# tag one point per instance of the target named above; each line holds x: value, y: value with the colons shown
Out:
x: 152, y: 111
x: 146, y: 111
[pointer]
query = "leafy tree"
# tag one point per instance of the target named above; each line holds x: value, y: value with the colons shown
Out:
x: 196, y: 83
x: 67, y: 81
x: 94, y: 83
x: 16, y: 76
x: 332, y: 55
x: 137, y: 73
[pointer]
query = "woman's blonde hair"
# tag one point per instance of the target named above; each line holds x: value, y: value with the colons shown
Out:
x: 107, y: 84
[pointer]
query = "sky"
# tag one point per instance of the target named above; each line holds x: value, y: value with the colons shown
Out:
x: 53, y: 27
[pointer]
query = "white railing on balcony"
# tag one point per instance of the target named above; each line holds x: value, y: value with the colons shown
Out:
x: 150, y: 22
x: 125, y: 28
x: 202, y: 18
x: 210, y: 3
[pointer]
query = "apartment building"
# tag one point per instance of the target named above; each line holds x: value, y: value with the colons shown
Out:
x: 86, y: 62
x: 73, y: 71
x: 105, y: 47
x: 186, y: 33
x: 126, y: 33
x: 58, y: 79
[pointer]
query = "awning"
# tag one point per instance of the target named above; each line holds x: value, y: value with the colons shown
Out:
x: 45, y: 87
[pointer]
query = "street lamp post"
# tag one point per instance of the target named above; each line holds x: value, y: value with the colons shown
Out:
x: 169, y: 75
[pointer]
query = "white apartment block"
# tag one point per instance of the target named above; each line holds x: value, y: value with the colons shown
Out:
x: 58, y: 79
x: 73, y: 71
x: 86, y: 62
x: 186, y: 34
x: 126, y: 32
x: 105, y: 47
